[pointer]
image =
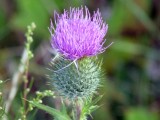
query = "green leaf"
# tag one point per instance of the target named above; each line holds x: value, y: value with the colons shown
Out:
x: 89, y: 107
x: 57, y: 114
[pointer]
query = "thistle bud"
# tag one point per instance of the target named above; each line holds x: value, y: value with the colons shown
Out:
x: 76, y: 83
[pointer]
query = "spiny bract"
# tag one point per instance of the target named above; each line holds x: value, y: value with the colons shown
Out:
x: 76, y: 84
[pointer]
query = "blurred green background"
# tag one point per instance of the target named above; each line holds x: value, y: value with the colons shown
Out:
x: 132, y: 64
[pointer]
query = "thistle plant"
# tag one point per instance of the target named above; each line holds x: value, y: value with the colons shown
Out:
x: 77, y: 38
x: 75, y: 72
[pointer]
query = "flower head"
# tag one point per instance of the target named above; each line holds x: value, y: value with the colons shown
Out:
x: 78, y: 34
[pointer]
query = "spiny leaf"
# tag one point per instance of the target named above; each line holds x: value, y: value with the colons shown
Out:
x: 89, y: 107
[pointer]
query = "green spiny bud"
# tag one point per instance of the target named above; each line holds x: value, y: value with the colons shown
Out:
x: 76, y: 82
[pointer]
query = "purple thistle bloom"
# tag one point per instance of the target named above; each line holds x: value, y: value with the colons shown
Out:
x: 78, y: 34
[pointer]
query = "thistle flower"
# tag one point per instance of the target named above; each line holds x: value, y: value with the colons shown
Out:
x: 78, y: 34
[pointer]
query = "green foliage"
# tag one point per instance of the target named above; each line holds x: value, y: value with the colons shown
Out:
x: 29, y: 11
x: 38, y: 11
x: 27, y: 55
x: 62, y: 114
x: 40, y: 96
x: 140, y: 14
x: 55, y: 113
x: 89, y: 107
x: 76, y: 83
x: 2, y: 110
x: 125, y: 14
x: 2, y: 107
x: 140, y: 114
x: 3, y: 26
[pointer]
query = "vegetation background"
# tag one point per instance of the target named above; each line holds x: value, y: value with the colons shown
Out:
x: 132, y: 64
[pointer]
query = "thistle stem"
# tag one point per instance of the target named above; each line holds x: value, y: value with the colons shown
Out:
x: 77, y: 110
